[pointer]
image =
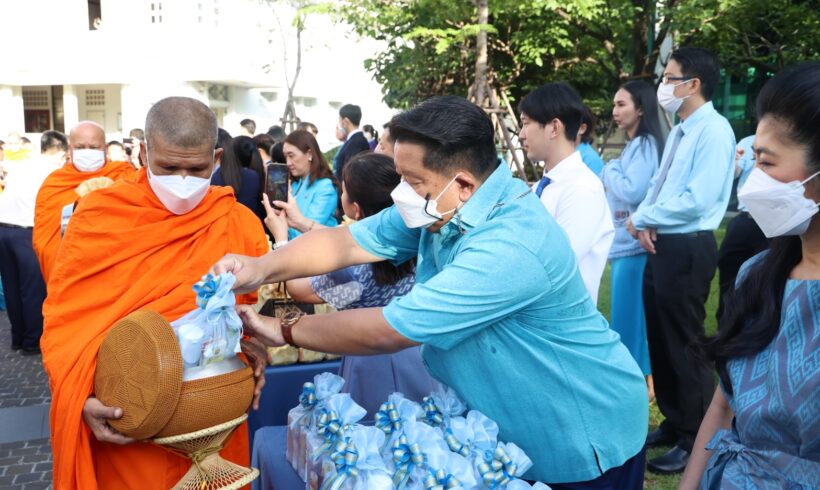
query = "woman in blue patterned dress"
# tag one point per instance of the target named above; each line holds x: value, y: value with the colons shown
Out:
x: 367, y: 182
x: 762, y: 429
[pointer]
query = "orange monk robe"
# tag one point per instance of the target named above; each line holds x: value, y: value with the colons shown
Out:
x: 122, y: 252
x: 57, y: 191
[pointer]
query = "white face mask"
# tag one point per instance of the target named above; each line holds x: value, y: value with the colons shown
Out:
x: 778, y: 208
x: 416, y: 211
x: 88, y: 160
x: 667, y: 98
x: 179, y: 195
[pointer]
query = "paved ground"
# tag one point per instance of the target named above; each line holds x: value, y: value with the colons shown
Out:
x: 25, y: 454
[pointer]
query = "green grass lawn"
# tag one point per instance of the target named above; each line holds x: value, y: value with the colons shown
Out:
x: 666, y: 482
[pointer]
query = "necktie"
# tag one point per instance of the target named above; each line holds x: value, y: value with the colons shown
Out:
x: 666, y: 165
x: 545, y: 181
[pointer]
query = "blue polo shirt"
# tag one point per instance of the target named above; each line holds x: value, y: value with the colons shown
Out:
x: 696, y: 192
x: 317, y: 201
x: 505, y: 320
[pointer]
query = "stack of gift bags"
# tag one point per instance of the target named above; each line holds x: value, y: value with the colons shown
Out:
x: 412, y: 446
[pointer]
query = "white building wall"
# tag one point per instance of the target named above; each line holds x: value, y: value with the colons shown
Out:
x: 11, y: 110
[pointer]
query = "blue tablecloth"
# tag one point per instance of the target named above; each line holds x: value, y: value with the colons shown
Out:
x: 283, y: 384
x: 268, y: 456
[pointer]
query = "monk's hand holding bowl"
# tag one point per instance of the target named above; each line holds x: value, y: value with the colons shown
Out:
x: 258, y: 355
x: 96, y: 416
x: 263, y: 328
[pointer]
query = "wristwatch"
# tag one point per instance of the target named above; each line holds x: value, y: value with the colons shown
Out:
x: 287, y: 323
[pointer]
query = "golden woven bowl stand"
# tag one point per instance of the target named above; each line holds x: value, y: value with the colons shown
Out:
x: 209, y: 471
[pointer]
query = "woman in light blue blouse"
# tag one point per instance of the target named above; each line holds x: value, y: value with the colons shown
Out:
x: 314, y: 190
x: 368, y: 180
x: 626, y: 180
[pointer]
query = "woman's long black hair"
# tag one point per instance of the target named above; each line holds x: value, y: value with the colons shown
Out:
x: 751, y: 318
x: 228, y: 164
x: 369, y: 178
x: 645, y: 99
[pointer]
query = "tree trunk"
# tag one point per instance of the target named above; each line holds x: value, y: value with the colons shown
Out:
x: 481, y: 53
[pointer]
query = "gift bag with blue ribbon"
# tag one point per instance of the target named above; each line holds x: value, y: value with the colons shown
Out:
x: 333, y: 420
x: 211, y: 332
x: 357, y: 462
x: 300, y: 418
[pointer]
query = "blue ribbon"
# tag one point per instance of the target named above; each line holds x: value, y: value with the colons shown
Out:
x: 432, y: 413
x: 388, y: 420
x: 308, y: 396
x: 455, y: 445
x: 406, y: 456
x: 346, y: 457
x: 498, y: 468
x: 331, y: 428
x: 206, y: 289
x: 441, y: 480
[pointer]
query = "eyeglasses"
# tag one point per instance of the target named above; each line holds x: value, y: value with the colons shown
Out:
x: 667, y: 78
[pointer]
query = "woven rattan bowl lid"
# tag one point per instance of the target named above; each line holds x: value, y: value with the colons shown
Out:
x: 139, y: 369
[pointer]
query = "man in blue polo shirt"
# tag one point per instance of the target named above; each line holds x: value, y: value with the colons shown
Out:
x: 675, y: 223
x: 499, y: 305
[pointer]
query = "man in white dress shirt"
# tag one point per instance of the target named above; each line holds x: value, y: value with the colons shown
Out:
x: 551, y: 116
x: 22, y: 281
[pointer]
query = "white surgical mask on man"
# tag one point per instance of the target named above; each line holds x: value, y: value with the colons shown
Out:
x: 416, y: 211
x: 88, y: 160
x: 667, y: 98
x: 178, y: 194
x: 778, y: 208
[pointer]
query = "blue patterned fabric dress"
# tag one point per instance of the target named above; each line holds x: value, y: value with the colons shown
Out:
x: 371, y: 379
x: 774, y: 442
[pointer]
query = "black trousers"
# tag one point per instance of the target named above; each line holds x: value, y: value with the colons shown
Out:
x: 23, y: 286
x: 675, y: 289
x: 743, y: 240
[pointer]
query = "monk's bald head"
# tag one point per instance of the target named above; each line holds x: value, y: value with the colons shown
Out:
x: 181, y: 122
x: 87, y: 135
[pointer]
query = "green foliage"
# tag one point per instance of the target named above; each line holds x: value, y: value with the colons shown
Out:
x: 594, y: 44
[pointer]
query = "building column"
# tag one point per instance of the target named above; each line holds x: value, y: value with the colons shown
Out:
x: 12, y: 116
x: 71, y: 107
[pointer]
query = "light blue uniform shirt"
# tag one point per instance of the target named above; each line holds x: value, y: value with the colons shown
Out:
x: 626, y: 180
x: 507, y: 322
x: 699, y: 183
x: 591, y: 158
x: 317, y: 201
x: 746, y: 164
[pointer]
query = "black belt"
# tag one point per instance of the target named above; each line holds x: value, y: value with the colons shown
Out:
x: 9, y: 225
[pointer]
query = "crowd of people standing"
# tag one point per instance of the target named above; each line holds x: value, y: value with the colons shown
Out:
x: 452, y: 271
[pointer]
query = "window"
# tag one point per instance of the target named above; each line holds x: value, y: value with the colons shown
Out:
x: 156, y: 12
x: 95, y: 97
x: 94, y: 15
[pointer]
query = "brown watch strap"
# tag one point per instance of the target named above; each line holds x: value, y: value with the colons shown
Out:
x: 287, y: 323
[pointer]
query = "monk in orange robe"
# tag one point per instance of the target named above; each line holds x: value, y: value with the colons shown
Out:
x: 59, y: 188
x: 138, y: 244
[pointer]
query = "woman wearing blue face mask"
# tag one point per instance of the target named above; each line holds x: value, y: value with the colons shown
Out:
x: 761, y: 429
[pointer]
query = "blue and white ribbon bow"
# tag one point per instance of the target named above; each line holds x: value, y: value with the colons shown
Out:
x: 388, y: 419
x: 331, y: 428
x: 406, y: 457
x: 441, y: 480
x: 308, y: 397
x: 432, y: 413
x: 455, y: 445
x: 498, y: 468
x: 345, y: 457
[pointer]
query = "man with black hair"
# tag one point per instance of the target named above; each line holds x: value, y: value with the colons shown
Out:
x: 675, y: 223
x: 352, y: 138
x: 23, y: 284
x: 498, y: 305
x: 247, y: 127
x: 264, y: 142
x: 277, y: 133
x: 584, y: 142
x: 308, y: 126
x: 551, y: 117
x: 115, y: 152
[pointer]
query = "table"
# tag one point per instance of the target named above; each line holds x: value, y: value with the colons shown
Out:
x: 283, y: 385
x: 269, y: 457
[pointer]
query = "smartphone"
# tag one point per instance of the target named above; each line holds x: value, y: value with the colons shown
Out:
x: 276, y: 182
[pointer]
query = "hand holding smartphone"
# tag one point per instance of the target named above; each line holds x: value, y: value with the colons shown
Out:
x: 276, y: 182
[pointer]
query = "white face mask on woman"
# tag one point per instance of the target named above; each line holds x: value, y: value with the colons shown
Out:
x: 179, y: 195
x: 778, y: 208
x: 416, y: 211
